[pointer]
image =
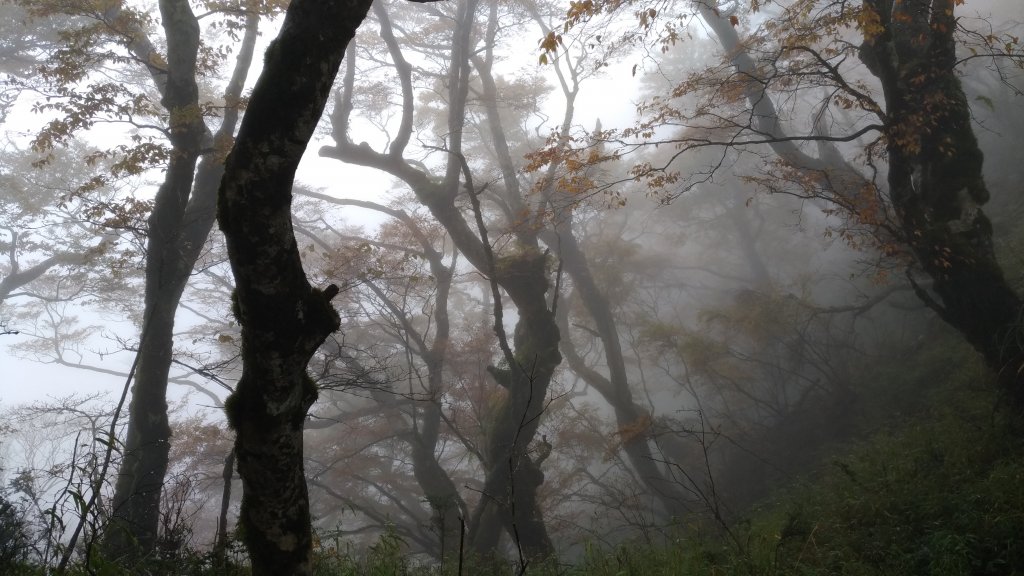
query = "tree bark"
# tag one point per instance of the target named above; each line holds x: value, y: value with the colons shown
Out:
x: 283, y: 319
x: 181, y: 220
x: 136, y: 503
x: 936, y: 182
x: 220, y: 546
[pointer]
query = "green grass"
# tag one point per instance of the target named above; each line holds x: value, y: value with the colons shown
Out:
x: 940, y: 493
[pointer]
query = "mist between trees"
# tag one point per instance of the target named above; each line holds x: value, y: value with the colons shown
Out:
x: 553, y: 334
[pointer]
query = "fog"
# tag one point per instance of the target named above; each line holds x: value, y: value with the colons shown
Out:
x: 601, y: 282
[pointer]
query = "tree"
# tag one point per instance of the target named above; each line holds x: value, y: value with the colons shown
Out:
x: 173, y: 125
x: 935, y: 179
x: 917, y: 123
x: 509, y: 498
x: 284, y: 320
x: 182, y: 216
x: 405, y: 277
x: 60, y: 449
x: 14, y: 537
x: 54, y: 245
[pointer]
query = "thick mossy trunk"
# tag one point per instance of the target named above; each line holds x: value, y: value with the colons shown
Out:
x: 266, y: 414
x: 283, y: 319
x: 936, y: 182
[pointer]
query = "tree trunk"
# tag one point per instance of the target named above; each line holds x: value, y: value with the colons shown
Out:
x: 220, y: 545
x: 935, y: 170
x: 136, y: 504
x: 283, y: 319
x: 181, y: 220
x: 510, y: 494
x: 510, y: 488
x: 936, y: 182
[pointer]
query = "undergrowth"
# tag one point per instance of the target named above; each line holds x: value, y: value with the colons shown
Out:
x: 938, y: 493
x: 941, y: 493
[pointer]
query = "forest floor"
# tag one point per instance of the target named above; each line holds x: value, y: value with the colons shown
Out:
x: 934, y: 485
x: 938, y: 492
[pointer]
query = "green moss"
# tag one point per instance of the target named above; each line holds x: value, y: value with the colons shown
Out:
x: 236, y: 308
x: 323, y: 316
x: 233, y: 408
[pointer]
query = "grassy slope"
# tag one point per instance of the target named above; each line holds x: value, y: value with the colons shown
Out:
x: 940, y: 492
